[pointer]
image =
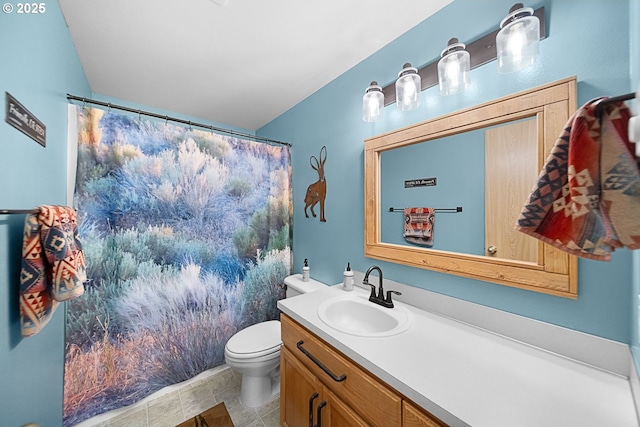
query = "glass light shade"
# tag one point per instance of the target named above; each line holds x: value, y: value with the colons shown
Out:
x: 518, y: 41
x: 372, y: 103
x: 408, y: 87
x: 454, y: 68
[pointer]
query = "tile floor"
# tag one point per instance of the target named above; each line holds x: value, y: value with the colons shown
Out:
x: 172, y: 405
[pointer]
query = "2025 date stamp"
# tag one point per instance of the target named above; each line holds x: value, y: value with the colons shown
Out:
x: 24, y: 8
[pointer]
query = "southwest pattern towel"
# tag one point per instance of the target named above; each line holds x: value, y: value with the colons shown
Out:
x: 53, y: 268
x: 418, y: 225
x: 587, y: 197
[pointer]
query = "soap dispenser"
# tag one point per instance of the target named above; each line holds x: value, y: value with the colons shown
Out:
x: 347, y: 278
x: 305, y: 271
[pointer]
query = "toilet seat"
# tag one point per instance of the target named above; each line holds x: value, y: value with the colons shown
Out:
x: 257, y: 340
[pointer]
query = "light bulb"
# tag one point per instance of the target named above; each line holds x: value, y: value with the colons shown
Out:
x: 408, y: 87
x: 453, y: 68
x: 372, y: 103
x: 518, y: 40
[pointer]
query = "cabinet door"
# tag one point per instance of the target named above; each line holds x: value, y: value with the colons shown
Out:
x: 297, y: 388
x: 338, y: 414
x: 371, y: 399
x: 414, y: 417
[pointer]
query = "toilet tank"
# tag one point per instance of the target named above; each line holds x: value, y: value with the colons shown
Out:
x: 295, y: 285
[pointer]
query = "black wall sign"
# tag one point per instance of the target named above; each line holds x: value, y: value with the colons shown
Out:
x: 22, y: 119
x: 424, y: 182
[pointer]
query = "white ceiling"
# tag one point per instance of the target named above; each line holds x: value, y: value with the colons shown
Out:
x: 236, y: 62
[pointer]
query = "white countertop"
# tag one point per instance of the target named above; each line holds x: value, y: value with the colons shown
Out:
x: 467, y: 376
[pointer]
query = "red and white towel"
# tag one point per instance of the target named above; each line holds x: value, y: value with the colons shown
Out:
x: 418, y: 225
x: 53, y: 266
x: 587, y: 198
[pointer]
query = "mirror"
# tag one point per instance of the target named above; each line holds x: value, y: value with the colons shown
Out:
x: 489, y: 171
x: 442, y: 163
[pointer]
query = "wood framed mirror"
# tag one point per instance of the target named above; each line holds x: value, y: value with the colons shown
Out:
x: 540, y: 113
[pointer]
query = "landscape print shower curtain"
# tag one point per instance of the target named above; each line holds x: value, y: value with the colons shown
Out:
x: 186, y: 235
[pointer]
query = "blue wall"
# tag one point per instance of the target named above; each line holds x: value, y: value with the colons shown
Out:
x: 39, y: 66
x: 331, y: 117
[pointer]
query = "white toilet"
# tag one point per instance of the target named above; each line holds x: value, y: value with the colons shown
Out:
x: 255, y: 351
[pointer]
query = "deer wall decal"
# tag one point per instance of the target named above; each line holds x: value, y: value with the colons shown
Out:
x: 317, y: 192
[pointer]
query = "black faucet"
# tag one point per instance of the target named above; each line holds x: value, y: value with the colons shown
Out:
x: 379, y: 299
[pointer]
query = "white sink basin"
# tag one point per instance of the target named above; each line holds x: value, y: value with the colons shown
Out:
x: 354, y: 314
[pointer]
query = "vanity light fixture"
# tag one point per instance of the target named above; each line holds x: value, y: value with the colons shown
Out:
x: 454, y: 68
x: 518, y: 40
x: 372, y: 103
x: 408, y: 88
x: 528, y: 23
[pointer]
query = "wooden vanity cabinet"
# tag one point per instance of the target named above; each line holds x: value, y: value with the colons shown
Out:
x: 305, y: 401
x: 314, y: 374
x: 412, y: 416
x: 298, y: 387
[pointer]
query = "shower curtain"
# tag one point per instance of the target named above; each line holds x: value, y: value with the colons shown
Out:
x: 187, y: 238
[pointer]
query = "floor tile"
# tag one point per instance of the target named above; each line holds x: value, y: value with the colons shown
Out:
x: 242, y: 416
x: 230, y: 397
x: 223, y: 381
x: 165, y: 411
x: 272, y: 419
x: 179, y: 403
x: 269, y: 407
x: 256, y: 423
x: 135, y: 417
x: 196, y: 399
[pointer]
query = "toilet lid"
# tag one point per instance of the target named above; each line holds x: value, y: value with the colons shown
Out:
x: 259, y: 338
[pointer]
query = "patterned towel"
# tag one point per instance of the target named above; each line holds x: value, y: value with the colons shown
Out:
x: 53, y: 268
x: 587, y: 196
x: 418, y: 225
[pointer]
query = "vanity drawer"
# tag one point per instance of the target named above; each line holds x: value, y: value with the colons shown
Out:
x: 370, y: 398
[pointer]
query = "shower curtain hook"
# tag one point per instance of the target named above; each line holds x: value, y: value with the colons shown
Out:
x: 84, y: 102
x: 139, y: 116
x: 109, y: 110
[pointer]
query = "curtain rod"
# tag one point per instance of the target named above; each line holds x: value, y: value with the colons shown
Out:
x: 174, y: 119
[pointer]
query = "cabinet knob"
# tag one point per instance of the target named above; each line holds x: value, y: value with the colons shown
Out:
x: 492, y: 249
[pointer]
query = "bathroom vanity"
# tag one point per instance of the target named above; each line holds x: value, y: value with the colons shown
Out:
x: 353, y: 397
x: 439, y: 371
